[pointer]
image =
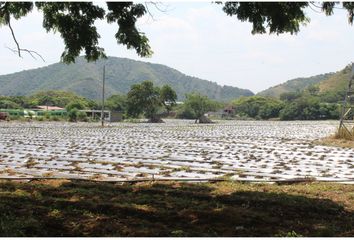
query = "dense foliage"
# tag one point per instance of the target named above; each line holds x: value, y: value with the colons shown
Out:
x: 258, y: 107
x: 117, y: 102
x: 147, y: 99
x: 309, y: 104
x: 62, y: 99
x: 196, y: 105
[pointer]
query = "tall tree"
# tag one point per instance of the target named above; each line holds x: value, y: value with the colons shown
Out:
x: 168, y: 97
x: 116, y: 102
x: 147, y: 99
x: 200, y: 105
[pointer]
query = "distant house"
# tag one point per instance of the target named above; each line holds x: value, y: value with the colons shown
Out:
x: 49, y: 108
x: 109, y: 116
x: 229, y: 111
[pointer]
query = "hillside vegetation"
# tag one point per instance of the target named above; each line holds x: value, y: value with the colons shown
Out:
x: 337, y: 82
x: 85, y: 79
x: 329, y: 83
x: 294, y: 85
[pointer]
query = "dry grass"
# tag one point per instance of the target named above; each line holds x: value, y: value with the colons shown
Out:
x: 77, y: 208
x: 345, y: 134
x: 342, y: 138
x: 334, y: 141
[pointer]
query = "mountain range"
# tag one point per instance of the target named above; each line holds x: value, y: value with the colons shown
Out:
x: 85, y: 79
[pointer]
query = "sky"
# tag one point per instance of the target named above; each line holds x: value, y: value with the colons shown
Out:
x: 200, y: 40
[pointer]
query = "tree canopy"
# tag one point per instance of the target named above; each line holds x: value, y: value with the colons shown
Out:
x: 305, y: 105
x: 60, y: 99
x: 75, y: 21
x: 116, y: 102
x: 146, y: 98
x: 199, y: 105
x: 258, y: 107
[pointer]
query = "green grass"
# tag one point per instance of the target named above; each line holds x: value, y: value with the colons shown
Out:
x: 77, y: 208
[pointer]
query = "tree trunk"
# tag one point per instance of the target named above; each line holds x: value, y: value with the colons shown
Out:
x: 155, y: 119
x: 204, y: 119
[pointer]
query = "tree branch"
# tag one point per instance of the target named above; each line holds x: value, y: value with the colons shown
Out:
x: 18, y: 51
x: 30, y: 52
x: 156, y: 5
x: 14, y: 38
x: 310, y: 5
x: 148, y: 10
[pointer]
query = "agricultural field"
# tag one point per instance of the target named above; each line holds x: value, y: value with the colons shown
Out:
x: 178, y: 149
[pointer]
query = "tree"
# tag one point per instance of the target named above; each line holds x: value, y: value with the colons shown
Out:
x: 72, y: 114
x: 168, y: 97
x: 117, y: 102
x: 200, y: 105
x: 289, y: 96
x: 59, y: 98
x: 303, y: 108
x: 8, y: 104
x: 78, y: 105
x: 147, y: 99
x: 313, y: 90
x: 258, y: 107
x: 75, y: 22
x: 280, y: 17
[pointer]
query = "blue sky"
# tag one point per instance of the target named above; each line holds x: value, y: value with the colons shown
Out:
x: 198, y: 39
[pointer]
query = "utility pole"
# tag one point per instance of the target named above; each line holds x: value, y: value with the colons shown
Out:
x: 103, y: 83
x: 346, y: 126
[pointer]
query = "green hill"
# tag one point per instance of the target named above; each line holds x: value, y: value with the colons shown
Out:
x: 338, y: 82
x: 85, y: 79
x: 293, y: 85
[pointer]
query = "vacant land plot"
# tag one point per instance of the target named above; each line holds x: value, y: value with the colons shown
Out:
x: 77, y: 208
x: 243, y: 150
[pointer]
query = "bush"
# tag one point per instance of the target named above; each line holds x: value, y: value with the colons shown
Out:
x: 73, y: 114
x: 185, y: 112
x: 47, y: 115
x: 82, y: 116
x: 258, y: 107
x: 78, y: 105
x: 8, y: 104
x: 304, y: 108
x: 54, y: 118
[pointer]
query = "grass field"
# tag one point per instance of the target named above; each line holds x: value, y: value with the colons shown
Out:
x: 82, y: 208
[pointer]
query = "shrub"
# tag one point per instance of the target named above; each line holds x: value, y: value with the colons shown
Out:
x: 73, y: 114
x: 54, y: 118
x: 82, y: 116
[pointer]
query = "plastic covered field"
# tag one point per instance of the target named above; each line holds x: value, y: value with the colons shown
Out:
x: 177, y: 149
